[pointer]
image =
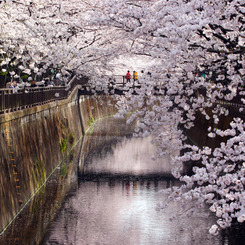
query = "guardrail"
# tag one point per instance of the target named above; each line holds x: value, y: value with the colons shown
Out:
x: 27, y: 97
x: 236, y: 101
x: 14, y: 100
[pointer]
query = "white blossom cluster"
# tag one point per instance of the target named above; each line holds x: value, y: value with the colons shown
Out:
x: 198, y: 49
x: 220, y: 177
x: 42, y: 35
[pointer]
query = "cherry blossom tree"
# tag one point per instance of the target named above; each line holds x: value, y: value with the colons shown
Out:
x: 37, y: 36
x: 198, y: 49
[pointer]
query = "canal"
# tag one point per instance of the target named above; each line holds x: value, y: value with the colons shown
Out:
x: 110, y: 196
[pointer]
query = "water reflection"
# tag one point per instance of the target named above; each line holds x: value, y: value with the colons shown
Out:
x: 124, y: 212
x: 29, y: 226
x: 118, y: 190
x: 111, y: 151
x: 130, y: 156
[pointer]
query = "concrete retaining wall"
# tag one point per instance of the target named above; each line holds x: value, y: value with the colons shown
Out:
x: 34, y: 141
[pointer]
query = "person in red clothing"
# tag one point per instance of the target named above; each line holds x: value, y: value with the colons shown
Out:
x: 128, y: 76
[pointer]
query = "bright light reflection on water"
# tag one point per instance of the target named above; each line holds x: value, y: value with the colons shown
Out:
x: 130, y: 156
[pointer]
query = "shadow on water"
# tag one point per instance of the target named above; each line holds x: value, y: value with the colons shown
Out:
x: 110, y: 196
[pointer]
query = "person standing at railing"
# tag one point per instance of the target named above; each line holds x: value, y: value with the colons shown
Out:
x: 15, y: 88
x: 112, y: 81
x: 135, y: 75
x: 33, y: 84
x: 11, y: 84
x: 128, y: 76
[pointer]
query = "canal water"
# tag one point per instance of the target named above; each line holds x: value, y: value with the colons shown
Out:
x: 116, y: 198
x: 111, y: 198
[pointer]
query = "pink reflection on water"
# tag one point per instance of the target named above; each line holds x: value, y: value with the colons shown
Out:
x: 125, y: 213
x: 132, y: 156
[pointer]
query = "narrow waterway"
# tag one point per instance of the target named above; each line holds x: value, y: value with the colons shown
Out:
x: 110, y: 196
x: 116, y: 199
x: 106, y: 211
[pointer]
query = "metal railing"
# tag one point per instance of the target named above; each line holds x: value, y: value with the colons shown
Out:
x: 236, y: 101
x: 17, y: 99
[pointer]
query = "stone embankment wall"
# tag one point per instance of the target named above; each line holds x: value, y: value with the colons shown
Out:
x: 34, y: 141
